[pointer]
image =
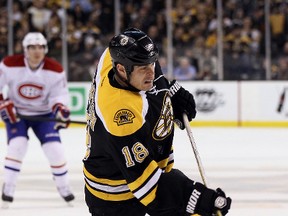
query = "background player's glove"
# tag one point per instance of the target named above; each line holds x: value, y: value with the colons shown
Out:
x: 182, y: 102
x: 63, y: 113
x: 8, y: 111
x: 205, y: 201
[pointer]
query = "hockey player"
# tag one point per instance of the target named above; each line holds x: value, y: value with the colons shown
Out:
x: 128, y: 166
x: 37, y: 86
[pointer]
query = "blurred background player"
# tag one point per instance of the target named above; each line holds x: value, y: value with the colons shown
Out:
x: 128, y: 168
x: 37, y: 86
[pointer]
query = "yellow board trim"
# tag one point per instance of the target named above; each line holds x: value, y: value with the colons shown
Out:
x: 264, y: 124
x: 238, y: 124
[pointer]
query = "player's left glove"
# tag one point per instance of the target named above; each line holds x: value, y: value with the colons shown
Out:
x: 206, y: 202
x: 62, y: 113
x: 222, y: 203
x: 182, y: 102
x: 8, y: 111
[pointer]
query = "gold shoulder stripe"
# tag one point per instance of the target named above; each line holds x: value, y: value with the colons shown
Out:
x: 121, y: 110
x: 112, y: 104
x: 107, y: 63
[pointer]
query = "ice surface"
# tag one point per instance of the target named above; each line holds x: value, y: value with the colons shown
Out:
x: 250, y: 164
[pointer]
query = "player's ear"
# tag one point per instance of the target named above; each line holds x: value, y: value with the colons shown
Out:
x: 121, y: 71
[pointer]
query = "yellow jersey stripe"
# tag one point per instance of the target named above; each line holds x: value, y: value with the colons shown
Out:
x: 143, y: 178
x: 110, y: 197
x: 106, y: 188
x: 103, y: 180
x: 149, y: 197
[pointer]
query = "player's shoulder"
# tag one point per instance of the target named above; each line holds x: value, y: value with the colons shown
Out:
x: 123, y: 115
x: 14, y: 61
x: 52, y: 65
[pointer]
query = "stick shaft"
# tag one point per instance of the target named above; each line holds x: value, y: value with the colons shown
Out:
x: 194, y: 147
x: 196, y: 153
x: 44, y: 119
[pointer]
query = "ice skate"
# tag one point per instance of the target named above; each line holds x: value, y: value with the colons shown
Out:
x: 7, y: 195
x: 66, y: 194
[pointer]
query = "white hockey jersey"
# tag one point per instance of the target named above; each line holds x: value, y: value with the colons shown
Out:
x: 33, y: 92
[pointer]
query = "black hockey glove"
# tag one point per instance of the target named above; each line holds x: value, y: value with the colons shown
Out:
x: 182, y: 102
x: 206, y: 202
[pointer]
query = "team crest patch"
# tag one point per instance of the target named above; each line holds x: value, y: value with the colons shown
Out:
x: 123, y: 116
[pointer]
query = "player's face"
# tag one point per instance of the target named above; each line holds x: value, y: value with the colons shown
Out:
x: 35, y: 54
x: 142, y: 77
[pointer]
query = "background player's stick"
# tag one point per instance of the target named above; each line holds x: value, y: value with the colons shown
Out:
x: 196, y: 153
x: 281, y: 100
x: 44, y: 119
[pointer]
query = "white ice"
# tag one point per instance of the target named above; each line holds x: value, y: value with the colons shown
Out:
x: 249, y: 164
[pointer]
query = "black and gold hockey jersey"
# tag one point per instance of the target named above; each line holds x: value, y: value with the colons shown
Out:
x: 129, y: 138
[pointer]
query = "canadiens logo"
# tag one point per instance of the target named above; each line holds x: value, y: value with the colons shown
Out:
x: 123, y: 116
x: 30, y: 91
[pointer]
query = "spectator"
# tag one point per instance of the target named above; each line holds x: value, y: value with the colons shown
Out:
x: 164, y: 65
x: 195, y: 25
x: 78, y: 14
x: 185, y: 71
x: 39, y: 16
x: 280, y: 71
x: 208, y: 66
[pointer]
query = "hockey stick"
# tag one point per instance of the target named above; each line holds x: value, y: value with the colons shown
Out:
x: 44, y: 119
x: 196, y: 153
x: 281, y: 100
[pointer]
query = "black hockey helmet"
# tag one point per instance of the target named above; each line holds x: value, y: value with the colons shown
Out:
x: 132, y: 47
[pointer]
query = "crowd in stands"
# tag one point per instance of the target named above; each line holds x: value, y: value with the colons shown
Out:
x: 90, y: 26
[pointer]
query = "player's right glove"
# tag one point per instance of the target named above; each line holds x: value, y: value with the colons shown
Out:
x: 206, y: 202
x: 182, y: 102
x: 62, y: 113
x: 8, y: 111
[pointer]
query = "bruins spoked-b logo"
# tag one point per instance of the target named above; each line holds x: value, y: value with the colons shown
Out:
x: 164, y: 125
x: 123, y: 116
